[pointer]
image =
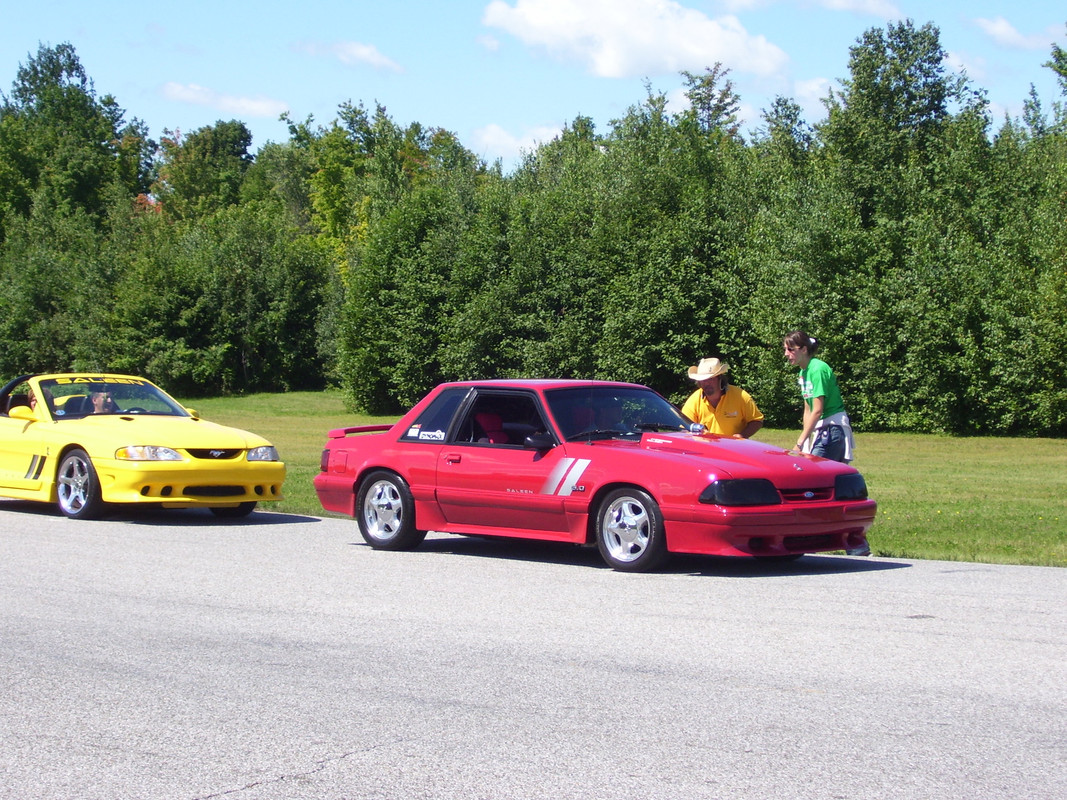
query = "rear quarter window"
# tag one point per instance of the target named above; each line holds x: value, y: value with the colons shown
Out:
x: 432, y: 424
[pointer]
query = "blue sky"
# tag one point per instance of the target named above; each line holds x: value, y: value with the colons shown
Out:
x: 501, y: 74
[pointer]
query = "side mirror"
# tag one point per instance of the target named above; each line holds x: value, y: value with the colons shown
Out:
x: 24, y: 413
x: 539, y: 441
x: 193, y: 412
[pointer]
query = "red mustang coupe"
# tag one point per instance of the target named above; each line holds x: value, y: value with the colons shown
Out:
x: 584, y: 462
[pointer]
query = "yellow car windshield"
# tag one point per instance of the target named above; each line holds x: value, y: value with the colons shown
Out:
x: 79, y: 397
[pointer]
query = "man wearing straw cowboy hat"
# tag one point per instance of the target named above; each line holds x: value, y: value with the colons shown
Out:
x: 718, y: 406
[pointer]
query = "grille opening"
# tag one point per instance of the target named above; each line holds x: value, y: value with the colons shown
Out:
x: 214, y: 491
x: 213, y: 454
x: 807, y: 495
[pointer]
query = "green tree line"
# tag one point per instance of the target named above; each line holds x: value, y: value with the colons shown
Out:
x: 921, y: 242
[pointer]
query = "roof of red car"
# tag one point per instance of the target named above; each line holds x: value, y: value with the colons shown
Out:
x: 540, y: 383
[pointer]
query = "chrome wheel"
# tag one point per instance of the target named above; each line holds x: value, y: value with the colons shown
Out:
x: 626, y: 529
x: 386, y: 513
x: 77, y: 487
x: 383, y: 510
x: 630, y: 531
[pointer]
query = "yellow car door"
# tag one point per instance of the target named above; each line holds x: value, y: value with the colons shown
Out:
x: 22, y: 451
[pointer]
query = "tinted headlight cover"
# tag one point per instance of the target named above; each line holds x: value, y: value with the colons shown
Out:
x: 742, y: 492
x: 850, y: 487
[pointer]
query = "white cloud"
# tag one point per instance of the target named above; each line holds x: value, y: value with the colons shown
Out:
x: 493, y: 142
x: 678, y: 101
x: 998, y: 112
x: 809, y: 96
x: 748, y: 116
x: 743, y: 5
x: 1004, y: 33
x: 351, y: 53
x: 877, y: 8
x: 231, y: 104
x: 635, y: 38
x: 974, y: 66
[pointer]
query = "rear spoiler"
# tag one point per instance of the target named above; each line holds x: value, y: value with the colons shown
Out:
x: 341, y: 433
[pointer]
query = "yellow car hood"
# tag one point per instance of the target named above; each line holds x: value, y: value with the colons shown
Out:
x: 177, y: 432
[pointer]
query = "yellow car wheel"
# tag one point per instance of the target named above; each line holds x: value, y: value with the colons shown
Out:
x: 78, y: 488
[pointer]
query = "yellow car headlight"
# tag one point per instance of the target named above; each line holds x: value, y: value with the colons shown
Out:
x: 265, y: 453
x: 147, y: 452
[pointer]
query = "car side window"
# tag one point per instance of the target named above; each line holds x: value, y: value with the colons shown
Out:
x: 497, y: 418
x: 433, y: 423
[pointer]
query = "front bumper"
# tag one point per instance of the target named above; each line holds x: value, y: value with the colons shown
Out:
x: 182, y: 484
x: 769, y: 531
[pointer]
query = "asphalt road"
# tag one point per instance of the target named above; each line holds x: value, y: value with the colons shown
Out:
x: 169, y: 655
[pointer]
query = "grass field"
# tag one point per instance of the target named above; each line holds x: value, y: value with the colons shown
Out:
x: 992, y: 500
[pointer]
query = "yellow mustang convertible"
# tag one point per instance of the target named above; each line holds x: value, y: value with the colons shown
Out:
x: 86, y: 440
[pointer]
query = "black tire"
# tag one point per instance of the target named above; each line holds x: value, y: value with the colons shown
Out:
x: 385, y: 513
x: 78, y: 487
x: 234, y: 512
x: 629, y: 531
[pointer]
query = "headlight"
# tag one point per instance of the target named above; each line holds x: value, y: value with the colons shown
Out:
x: 147, y: 452
x: 265, y: 453
x: 850, y: 487
x: 744, y: 492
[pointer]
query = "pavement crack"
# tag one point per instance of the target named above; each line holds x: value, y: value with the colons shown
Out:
x: 319, y: 766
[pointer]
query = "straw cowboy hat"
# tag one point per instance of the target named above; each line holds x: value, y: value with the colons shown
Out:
x: 708, y: 368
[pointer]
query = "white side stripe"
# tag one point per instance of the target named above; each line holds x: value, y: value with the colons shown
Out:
x: 573, y: 476
x: 565, y: 476
x: 552, y: 483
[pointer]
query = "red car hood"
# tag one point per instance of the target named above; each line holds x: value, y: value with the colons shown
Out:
x: 727, y: 457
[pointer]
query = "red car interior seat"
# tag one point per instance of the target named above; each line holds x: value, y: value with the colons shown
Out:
x: 492, y: 428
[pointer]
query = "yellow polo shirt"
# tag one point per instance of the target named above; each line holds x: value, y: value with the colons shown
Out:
x: 735, y: 410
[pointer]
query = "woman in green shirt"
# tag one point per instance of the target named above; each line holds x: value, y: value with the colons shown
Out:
x: 827, y: 431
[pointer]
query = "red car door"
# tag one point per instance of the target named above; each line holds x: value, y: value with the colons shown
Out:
x: 488, y: 479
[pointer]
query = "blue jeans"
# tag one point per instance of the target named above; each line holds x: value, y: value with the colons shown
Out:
x: 829, y: 443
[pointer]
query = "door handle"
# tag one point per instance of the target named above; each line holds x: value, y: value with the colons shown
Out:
x: 453, y: 458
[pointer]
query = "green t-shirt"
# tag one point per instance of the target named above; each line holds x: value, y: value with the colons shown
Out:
x: 817, y: 380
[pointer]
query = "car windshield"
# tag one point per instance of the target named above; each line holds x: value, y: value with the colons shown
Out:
x: 78, y: 397
x: 608, y: 411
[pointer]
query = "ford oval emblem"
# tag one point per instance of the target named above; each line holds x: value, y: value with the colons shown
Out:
x: 809, y: 495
